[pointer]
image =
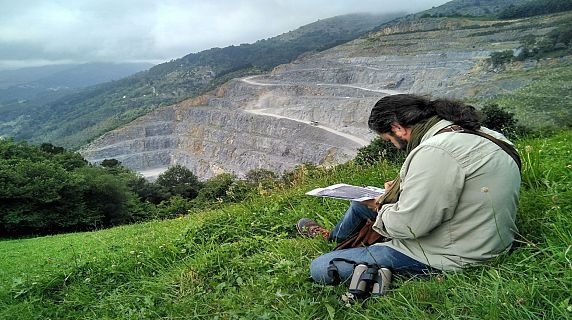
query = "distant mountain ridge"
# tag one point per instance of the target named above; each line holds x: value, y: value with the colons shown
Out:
x: 76, y: 119
x: 13, y: 77
x: 28, y: 82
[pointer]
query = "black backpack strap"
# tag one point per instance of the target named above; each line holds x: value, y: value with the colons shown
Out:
x: 333, y: 269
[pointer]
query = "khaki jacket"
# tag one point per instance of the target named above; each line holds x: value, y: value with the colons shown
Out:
x: 458, y: 202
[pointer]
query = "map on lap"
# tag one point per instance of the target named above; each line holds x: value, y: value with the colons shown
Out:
x: 347, y: 192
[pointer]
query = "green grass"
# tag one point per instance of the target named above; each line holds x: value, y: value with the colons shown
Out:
x: 546, y: 101
x: 244, y: 261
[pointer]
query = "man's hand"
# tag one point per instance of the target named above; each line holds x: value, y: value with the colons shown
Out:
x: 388, y: 184
x: 370, y: 204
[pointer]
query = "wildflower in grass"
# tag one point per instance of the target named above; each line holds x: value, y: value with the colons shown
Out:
x: 528, y: 149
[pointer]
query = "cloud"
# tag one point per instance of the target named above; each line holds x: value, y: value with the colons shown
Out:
x: 149, y: 30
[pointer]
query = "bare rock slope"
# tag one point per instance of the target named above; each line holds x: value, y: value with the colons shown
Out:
x: 315, y: 109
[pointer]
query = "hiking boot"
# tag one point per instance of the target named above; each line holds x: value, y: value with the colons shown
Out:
x: 309, y: 228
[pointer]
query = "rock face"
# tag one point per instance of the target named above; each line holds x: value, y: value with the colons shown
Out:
x: 316, y: 109
x: 225, y: 135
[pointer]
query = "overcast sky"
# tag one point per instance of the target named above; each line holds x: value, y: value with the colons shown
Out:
x: 37, y: 32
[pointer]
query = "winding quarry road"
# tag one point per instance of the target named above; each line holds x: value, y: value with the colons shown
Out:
x: 353, y: 138
x: 266, y: 112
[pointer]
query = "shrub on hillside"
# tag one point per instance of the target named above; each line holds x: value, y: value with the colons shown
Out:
x: 557, y: 42
x: 378, y: 150
x: 501, y: 58
x: 110, y: 163
x: 300, y: 172
x: 173, y: 207
x: 215, y: 189
x: 262, y: 179
x: 239, y: 191
x: 498, y: 119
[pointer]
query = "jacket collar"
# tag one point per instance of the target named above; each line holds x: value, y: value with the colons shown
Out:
x: 434, y: 129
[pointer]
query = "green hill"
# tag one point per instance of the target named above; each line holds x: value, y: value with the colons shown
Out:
x: 244, y: 261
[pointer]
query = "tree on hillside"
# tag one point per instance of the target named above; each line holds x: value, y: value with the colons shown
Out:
x: 498, y: 119
x: 47, y: 190
x: 179, y: 180
x: 50, y: 148
x: 110, y: 163
x: 107, y: 196
x: 147, y: 191
x: 215, y: 188
x: 35, y: 196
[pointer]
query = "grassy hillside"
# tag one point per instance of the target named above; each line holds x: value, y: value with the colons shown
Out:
x: 544, y: 102
x: 245, y: 261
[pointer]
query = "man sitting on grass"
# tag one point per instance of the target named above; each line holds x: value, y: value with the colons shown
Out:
x: 453, y: 204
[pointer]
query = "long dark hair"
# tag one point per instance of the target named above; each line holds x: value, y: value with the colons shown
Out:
x: 409, y: 109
